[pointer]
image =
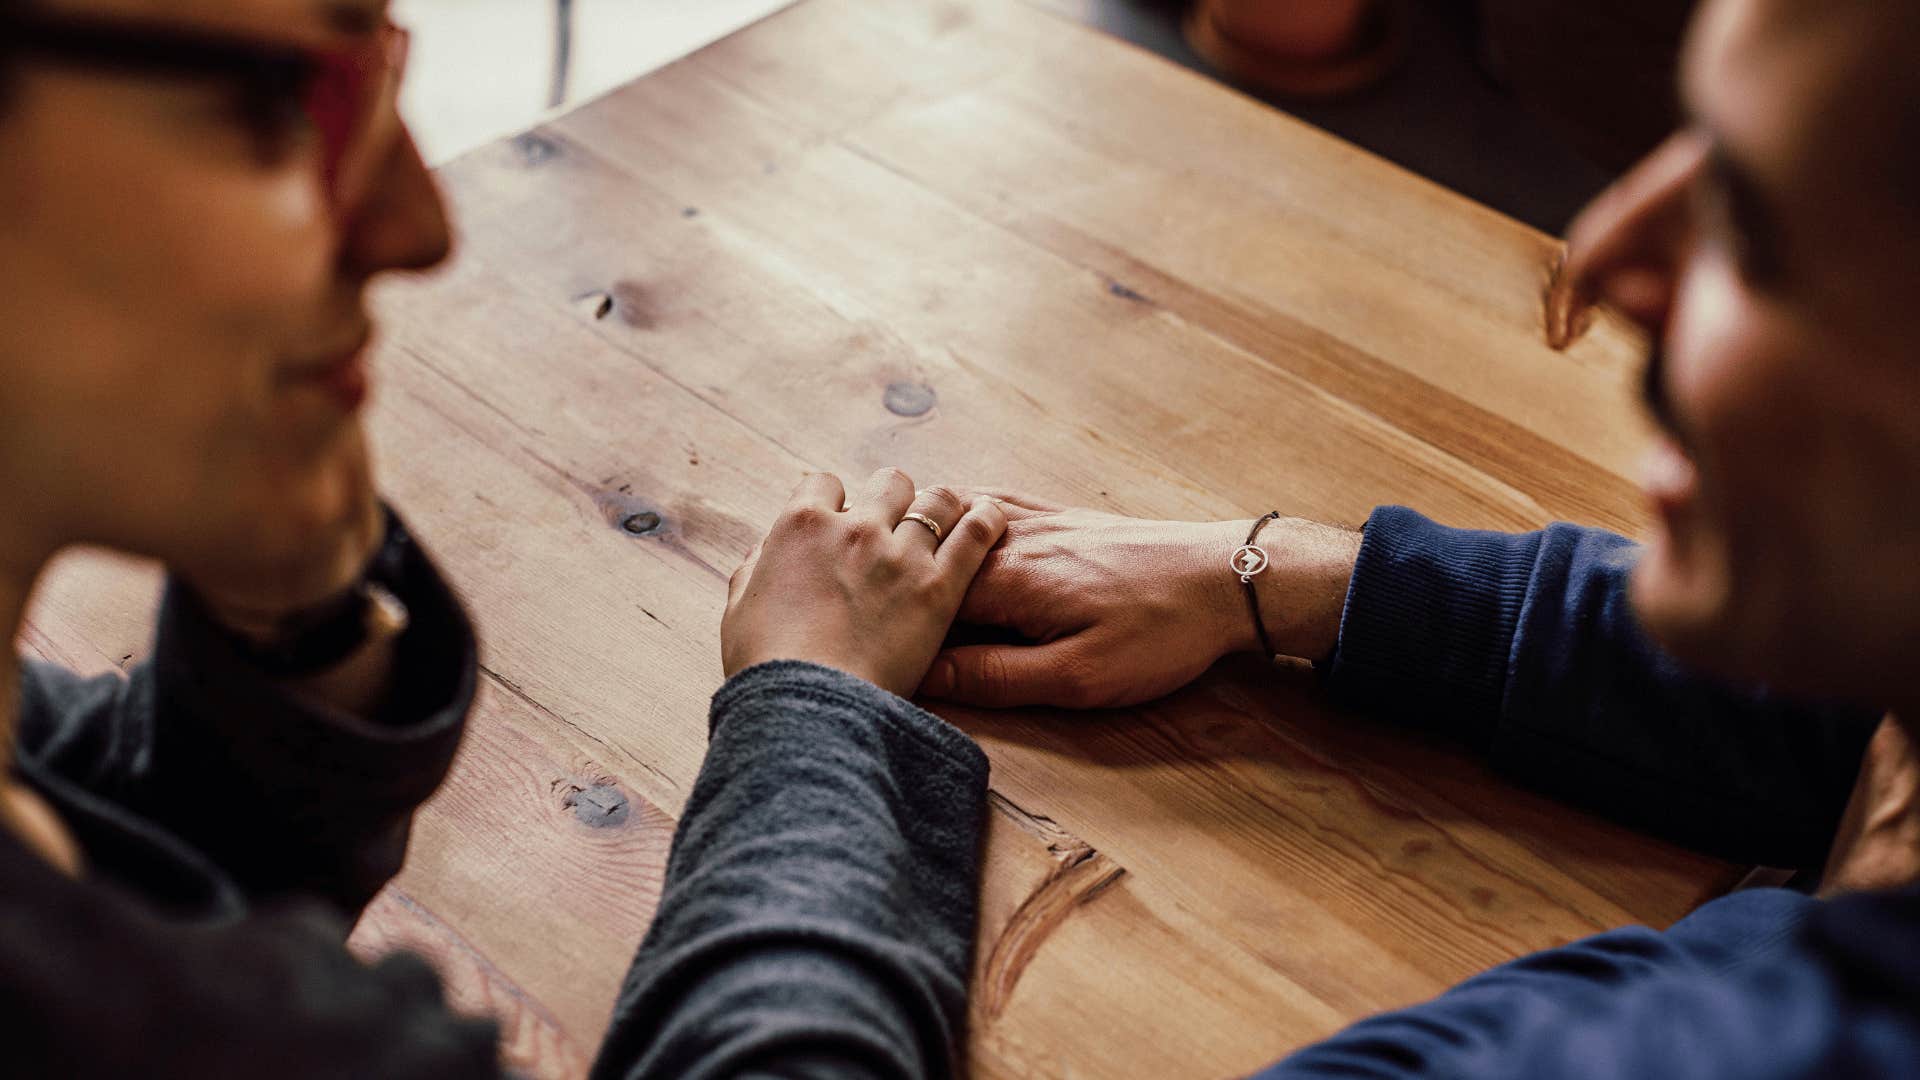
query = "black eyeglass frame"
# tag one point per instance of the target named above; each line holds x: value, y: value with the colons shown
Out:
x: 150, y: 47
x: 272, y: 76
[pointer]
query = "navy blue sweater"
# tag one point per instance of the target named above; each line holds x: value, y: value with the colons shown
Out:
x: 1530, y: 641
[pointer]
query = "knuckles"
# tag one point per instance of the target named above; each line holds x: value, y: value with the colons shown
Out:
x: 804, y: 521
x: 891, y: 476
x: 942, y: 503
x: 977, y: 529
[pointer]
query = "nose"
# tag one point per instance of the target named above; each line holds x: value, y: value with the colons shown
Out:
x: 1624, y: 248
x: 401, y: 221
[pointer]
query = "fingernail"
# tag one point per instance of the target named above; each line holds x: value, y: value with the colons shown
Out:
x: 939, y: 680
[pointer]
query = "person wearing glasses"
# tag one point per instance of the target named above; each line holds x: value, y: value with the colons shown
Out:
x: 196, y: 194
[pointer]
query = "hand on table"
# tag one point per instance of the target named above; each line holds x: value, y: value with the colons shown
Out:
x: 1121, y: 610
x: 862, y: 589
x: 1878, y: 844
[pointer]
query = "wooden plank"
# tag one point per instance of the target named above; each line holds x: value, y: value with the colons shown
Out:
x: 986, y: 245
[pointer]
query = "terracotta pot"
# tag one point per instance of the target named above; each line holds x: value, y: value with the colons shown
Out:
x: 1303, y: 49
x: 1304, y: 28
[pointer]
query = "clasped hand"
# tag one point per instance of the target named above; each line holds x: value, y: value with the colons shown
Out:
x: 858, y: 587
x: 1110, y: 610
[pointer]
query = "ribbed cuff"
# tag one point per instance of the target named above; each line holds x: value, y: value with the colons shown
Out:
x: 1427, y: 631
x: 818, y: 684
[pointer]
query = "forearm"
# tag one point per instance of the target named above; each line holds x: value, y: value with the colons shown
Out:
x: 1301, y: 594
x: 1527, y: 647
x: 820, y: 899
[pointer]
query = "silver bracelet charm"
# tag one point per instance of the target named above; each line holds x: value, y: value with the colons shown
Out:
x: 1248, y: 560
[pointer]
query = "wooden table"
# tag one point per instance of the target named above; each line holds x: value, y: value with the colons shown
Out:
x: 979, y: 241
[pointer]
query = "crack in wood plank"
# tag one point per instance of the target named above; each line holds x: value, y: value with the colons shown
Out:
x: 1079, y: 874
x: 530, y: 702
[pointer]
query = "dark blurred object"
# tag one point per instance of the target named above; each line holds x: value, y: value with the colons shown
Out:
x: 1529, y: 106
x: 1603, y: 73
x: 1311, y: 49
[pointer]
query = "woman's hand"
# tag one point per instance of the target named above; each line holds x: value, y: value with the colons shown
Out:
x: 862, y: 589
x: 1122, y: 610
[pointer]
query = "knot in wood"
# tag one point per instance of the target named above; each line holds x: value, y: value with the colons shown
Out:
x: 536, y: 149
x: 642, y: 523
x: 909, y: 398
x: 601, y: 806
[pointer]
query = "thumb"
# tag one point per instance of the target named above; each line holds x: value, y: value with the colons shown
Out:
x: 1005, y: 676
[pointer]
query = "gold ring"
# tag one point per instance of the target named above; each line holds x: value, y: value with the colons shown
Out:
x: 932, y: 525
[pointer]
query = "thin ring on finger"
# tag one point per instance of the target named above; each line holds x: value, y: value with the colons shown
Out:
x: 931, y: 517
x: 914, y: 515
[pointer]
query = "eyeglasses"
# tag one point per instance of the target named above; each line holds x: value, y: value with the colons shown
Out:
x: 347, y: 94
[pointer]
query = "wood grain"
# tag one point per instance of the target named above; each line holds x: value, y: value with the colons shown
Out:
x: 983, y: 243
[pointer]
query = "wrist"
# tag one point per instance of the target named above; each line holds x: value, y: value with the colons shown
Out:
x: 1226, y: 597
x: 1305, y: 594
x: 1302, y: 592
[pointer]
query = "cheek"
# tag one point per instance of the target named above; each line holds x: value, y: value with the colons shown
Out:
x: 252, y: 258
x: 142, y: 319
x: 1789, y: 438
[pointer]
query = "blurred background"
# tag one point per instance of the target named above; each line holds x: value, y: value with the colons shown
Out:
x: 1529, y: 106
x: 481, y: 69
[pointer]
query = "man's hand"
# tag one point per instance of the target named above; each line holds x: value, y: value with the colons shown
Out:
x: 1878, y: 845
x: 1122, y: 610
x: 1619, y: 242
x: 861, y: 589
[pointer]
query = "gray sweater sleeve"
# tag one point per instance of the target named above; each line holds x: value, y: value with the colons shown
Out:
x: 820, y: 901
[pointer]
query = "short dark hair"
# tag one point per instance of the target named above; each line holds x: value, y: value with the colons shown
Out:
x: 7, y: 7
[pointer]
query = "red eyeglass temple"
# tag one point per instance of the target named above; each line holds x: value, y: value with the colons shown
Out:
x: 348, y: 90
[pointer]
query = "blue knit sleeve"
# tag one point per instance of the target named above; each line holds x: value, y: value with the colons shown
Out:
x: 1763, y: 984
x: 1526, y: 647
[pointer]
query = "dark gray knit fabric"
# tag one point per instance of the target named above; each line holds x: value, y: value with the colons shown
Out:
x: 820, y: 902
x: 817, y: 919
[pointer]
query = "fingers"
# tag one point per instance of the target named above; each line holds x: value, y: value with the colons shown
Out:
x: 1016, y: 504
x: 939, y: 505
x: 818, y: 491
x: 1009, y: 676
x: 886, y: 496
x: 1630, y: 221
x: 742, y: 576
x: 971, y: 537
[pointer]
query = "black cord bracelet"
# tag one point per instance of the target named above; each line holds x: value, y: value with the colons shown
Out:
x: 1249, y: 560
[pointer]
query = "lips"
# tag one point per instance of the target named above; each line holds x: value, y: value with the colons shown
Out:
x: 341, y: 376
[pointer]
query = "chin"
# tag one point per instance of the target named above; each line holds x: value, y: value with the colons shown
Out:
x: 1684, y: 607
x: 1741, y: 633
